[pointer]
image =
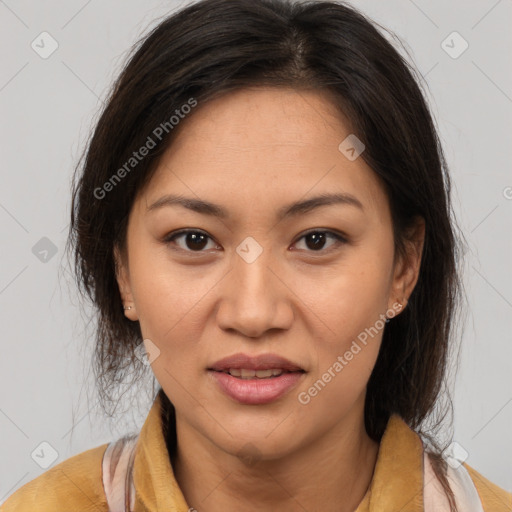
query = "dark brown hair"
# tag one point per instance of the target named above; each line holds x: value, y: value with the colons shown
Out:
x: 212, y: 47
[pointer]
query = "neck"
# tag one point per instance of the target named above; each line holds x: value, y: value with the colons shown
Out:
x: 331, y: 473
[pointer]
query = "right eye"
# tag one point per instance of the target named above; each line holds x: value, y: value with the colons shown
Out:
x: 192, y: 240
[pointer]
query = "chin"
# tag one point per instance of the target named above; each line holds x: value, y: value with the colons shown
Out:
x: 257, y: 442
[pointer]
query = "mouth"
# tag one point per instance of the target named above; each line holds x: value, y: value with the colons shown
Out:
x: 255, y: 380
x: 259, y: 366
x: 253, y: 390
x: 248, y: 374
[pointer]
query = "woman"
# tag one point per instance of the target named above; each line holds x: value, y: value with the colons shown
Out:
x: 263, y: 216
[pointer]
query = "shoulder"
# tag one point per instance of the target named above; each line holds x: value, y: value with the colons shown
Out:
x: 74, y: 484
x: 494, y: 498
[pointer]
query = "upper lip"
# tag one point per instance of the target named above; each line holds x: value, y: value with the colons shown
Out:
x: 259, y: 362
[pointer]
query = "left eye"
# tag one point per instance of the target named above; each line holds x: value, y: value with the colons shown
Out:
x: 195, y: 241
x: 315, y: 240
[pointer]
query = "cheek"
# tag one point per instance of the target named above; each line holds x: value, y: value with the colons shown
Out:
x: 345, y: 362
x: 332, y: 393
x: 167, y: 295
x: 347, y: 299
x: 168, y: 305
x: 351, y: 307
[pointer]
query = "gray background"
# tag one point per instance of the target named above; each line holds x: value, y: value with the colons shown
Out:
x: 47, y: 107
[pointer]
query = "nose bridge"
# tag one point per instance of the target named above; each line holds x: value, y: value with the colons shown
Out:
x: 254, y: 300
x: 251, y: 268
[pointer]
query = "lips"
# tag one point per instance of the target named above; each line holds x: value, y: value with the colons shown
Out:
x: 256, y: 380
x: 256, y: 391
x: 255, y: 363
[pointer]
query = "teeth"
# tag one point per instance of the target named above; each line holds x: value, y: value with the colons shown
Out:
x: 250, y: 374
x: 263, y: 374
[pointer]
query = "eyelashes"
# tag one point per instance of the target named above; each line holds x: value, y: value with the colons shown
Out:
x: 199, y: 239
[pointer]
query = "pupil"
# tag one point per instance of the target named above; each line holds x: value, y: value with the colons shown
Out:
x: 318, y: 240
x: 196, y: 238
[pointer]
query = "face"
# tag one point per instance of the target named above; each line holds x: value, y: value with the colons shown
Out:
x: 312, y: 285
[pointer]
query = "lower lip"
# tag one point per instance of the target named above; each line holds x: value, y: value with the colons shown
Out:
x: 256, y: 391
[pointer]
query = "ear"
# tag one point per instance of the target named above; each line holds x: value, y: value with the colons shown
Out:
x: 407, y: 266
x: 123, y: 282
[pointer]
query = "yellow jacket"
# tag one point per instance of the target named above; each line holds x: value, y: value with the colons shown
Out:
x: 76, y: 483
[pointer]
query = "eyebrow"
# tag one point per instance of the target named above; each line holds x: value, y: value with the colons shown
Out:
x: 291, y: 210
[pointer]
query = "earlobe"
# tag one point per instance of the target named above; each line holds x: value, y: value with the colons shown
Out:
x: 123, y: 282
x: 408, y: 267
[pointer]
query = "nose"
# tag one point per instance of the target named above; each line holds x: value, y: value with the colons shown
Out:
x: 255, y: 298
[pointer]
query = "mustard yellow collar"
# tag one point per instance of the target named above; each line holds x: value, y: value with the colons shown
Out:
x: 397, y: 482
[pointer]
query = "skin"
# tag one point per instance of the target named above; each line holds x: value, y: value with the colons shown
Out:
x: 253, y: 152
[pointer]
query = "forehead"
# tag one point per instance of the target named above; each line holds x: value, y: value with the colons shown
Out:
x: 275, y: 143
x: 265, y: 116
